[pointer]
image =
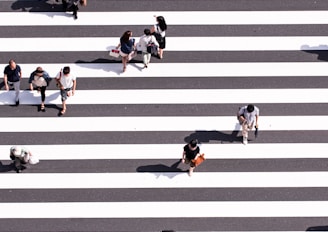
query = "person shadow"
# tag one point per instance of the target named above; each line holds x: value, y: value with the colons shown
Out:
x: 161, y: 169
x: 317, y: 228
x: 204, y: 136
x: 321, y: 51
x: 116, y: 68
x: 37, y: 6
x: 7, y: 167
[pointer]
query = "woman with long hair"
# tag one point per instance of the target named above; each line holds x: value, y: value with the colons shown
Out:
x: 127, y: 44
x: 159, y: 31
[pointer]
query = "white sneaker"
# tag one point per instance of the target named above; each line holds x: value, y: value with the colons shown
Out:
x: 245, y: 140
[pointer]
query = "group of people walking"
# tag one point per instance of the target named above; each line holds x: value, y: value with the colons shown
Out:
x: 152, y: 38
x: 39, y: 80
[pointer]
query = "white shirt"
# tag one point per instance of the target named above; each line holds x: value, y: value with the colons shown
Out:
x: 144, y: 40
x: 66, y: 80
x: 250, y: 117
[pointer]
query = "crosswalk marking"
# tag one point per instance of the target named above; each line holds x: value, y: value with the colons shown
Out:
x: 174, y: 151
x: 165, y: 180
x: 86, y: 69
x: 174, y: 96
x: 149, y: 123
x: 172, y: 18
x: 130, y: 178
x: 203, y: 209
x: 213, y: 43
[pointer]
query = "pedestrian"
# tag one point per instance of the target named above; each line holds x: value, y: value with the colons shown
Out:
x: 39, y: 80
x: 190, y: 153
x: 66, y: 82
x: 159, y: 31
x: 247, y: 116
x: 12, y: 77
x: 21, y: 156
x: 73, y: 5
x: 147, y: 40
x: 127, y: 50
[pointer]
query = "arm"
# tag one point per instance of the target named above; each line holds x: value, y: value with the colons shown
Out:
x: 183, y: 156
x: 74, y: 87
x: 5, y: 80
x: 30, y: 81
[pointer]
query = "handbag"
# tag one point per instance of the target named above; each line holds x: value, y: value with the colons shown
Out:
x: 200, y: 159
x: 114, y: 53
x: 152, y: 48
x: 33, y: 160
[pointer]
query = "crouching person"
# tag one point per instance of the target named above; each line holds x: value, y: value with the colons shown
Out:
x: 21, y: 156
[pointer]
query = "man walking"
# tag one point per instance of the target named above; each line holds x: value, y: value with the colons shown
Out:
x: 247, y: 116
x: 12, y: 76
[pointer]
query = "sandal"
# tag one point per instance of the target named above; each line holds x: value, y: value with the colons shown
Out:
x: 63, y: 112
x: 43, y: 109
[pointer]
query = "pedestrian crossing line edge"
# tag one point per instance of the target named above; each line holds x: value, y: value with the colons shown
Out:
x: 190, y: 70
x: 181, y: 179
x: 164, y: 209
x: 172, y: 18
x: 157, y: 123
x: 213, y: 43
x: 173, y: 151
x: 172, y: 96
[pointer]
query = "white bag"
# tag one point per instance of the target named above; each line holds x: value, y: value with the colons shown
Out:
x: 33, y: 160
x: 114, y: 53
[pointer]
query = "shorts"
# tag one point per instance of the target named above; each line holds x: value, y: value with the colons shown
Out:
x: 188, y: 161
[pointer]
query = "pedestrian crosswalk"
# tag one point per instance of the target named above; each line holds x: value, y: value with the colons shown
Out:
x: 112, y: 162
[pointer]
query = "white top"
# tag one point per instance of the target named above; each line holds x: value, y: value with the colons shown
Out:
x: 144, y: 41
x: 19, y: 152
x: 158, y: 29
x: 66, y: 80
x: 250, y: 117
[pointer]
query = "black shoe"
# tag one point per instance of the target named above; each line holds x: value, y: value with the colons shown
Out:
x: 17, y: 103
x: 75, y: 16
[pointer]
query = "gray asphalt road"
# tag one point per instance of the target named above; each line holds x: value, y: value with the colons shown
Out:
x: 173, y: 137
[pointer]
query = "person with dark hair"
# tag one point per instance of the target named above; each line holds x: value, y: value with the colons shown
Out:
x: 159, y: 31
x: 247, y: 116
x: 39, y: 80
x: 147, y: 40
x: 127, y: 44
x: 67, y: 85
x: 12, y: 76
x: 190, y: 152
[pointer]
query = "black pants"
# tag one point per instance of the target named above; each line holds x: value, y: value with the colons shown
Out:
x: 42, y: 90
x: 71, y: 5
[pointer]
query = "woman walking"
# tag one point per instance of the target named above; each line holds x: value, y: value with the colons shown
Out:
x: 158, y: 30
x: 127, y: 44
x: 39, y: 80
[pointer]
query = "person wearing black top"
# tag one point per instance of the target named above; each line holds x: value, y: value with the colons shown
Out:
x: 12, y: 77
x: 190, y: 152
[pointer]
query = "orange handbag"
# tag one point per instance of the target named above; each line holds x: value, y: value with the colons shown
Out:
x: 200, y: 159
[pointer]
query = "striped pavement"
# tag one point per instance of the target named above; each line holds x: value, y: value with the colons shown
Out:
x: 112, y: 162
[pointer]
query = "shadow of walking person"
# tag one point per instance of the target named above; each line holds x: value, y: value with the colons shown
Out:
x: 317, y: 228
x: 161, y: 169
x: 7, y: 167
x: 207, y: 136
x: 321, y: 51
x: 36, y: 6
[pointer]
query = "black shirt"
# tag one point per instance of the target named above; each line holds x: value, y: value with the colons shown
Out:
x: 191, y: 154
x: 12, y: 75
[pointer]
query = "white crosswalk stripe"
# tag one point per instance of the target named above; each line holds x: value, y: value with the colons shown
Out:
x: 133, y: 166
